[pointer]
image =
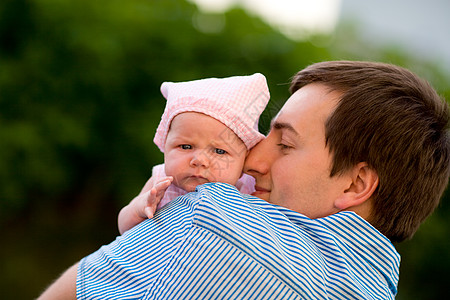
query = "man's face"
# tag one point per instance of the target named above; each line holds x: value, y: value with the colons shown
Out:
x: 292, y: 165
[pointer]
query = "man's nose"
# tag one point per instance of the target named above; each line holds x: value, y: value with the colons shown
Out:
x: 200, y: 159
x: 260, y: 158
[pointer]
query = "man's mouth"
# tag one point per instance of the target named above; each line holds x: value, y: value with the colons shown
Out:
x: 259, y: 190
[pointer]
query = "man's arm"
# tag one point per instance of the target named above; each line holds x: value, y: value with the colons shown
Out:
x: 64, y: 288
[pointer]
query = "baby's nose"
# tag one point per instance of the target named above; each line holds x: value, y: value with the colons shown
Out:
x: 200, y: 159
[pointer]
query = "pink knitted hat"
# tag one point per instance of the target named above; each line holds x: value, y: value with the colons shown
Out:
x: 235, y: 101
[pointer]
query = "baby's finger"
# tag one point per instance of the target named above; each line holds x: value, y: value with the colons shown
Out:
x: 151, y: 198
x: 162, y: 185
x: 165, y: 180
x: 149, y: 211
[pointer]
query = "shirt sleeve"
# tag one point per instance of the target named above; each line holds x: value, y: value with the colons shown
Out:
x: 125, y: 268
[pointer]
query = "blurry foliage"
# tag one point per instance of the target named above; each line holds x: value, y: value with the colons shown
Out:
x: 80, y: 102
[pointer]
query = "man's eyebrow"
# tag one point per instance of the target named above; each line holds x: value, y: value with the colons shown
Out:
x: 283, y: 125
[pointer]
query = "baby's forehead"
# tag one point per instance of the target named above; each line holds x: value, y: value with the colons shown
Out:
x: 192, y: 114
x: 196, y: 125
x: 197, y: 121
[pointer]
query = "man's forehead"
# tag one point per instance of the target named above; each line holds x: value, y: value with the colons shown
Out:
x: 313, y: 101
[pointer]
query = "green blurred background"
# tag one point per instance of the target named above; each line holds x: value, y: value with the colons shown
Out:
x: 80, y: 102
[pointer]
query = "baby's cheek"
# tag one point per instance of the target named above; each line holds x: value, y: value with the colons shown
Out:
x: 232, y: 174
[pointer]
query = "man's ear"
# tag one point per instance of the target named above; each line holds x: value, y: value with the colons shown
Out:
x: 364, y: 182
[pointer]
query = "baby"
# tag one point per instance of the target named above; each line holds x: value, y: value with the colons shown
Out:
x: 205, y: 133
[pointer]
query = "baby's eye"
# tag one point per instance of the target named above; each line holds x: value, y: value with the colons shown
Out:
x: 220, y: 151
x: 185, y: 147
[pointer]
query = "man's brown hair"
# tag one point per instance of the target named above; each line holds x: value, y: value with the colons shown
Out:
x: 396, y: 123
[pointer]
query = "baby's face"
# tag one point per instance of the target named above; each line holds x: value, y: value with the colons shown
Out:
x: 200, y: 149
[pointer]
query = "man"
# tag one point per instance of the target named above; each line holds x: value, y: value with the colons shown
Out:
x: 358, y: 155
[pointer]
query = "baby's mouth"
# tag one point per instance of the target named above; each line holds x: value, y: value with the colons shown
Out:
x: 198, y: 178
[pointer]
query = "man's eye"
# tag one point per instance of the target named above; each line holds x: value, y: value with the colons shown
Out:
x: 220, y: 151
x: 185, y: 147
x: 284, y: 146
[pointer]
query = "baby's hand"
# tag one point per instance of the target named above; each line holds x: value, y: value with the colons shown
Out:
x: 151, y: 199
x: 144, y: 205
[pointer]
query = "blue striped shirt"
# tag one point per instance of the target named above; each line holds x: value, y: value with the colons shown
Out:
x: 219, y: 244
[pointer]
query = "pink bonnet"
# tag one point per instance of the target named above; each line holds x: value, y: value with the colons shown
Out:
x: 235, y: 101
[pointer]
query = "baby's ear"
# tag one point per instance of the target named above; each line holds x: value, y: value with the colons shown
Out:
x: 364, y: 182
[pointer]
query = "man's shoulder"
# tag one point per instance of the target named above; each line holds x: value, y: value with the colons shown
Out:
x: 223, y: 202
x: 276, y: 236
